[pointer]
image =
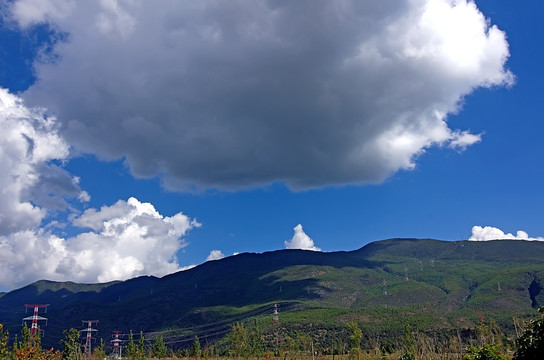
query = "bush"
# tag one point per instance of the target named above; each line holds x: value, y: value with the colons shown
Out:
x: 486, y: 352
x: 530, y: 345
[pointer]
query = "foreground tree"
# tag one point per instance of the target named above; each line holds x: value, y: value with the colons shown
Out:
x: 142, y: 353
x: 159, y: 348
x: 255, y: 340
x: 196, y: 349
x: 4, y: 348
x: 530, y: 345
x: 30, y: 348
x: 71, y: 346
x: 355, y: 338
x: 99, y: 352
x: 131, y: 350
x: 239, y: 340
x: 485, y: 352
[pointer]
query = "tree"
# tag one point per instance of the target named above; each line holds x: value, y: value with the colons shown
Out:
x: 196, y: 349
x: 30, y: 348
x: 15, y: 344
x: 71, y: 346
x: 25, y: 335
x: 408, y: 345
x: 387, y: 347
x: 485, y: 352
x: 239, y: 340
x: 530, y: 345
x: 141, y: 346
x: 304, y: 342
x: 99, y: 352
x: 289, y: 346
x: 355, y: 338
x: 4, y: 348
x: 256, y: 343
x: 159, y: 348
x: 131, y: 351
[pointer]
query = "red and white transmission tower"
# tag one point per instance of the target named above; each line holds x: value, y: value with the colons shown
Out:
x: 276, y: 314
x: 35, y: 317
x: 89, y: 337
x: 116, y: 345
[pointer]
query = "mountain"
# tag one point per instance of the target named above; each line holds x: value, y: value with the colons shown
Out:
x: 430, y: 284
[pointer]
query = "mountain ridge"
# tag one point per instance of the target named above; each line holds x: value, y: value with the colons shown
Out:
x: 425, y: 277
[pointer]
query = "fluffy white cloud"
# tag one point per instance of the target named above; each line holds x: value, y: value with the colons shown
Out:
x: 31, y: 183
x: 127, y: 239
x: 301, y: 241
x: 233, y: 94
x: 492, y: 233
x: 215, y: 255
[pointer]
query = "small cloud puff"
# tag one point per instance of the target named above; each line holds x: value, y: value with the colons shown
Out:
x: 215, y: 255
x: 488, y: 233
x: 301, y: 241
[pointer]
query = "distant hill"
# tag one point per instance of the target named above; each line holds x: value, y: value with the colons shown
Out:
x: 431, y: 285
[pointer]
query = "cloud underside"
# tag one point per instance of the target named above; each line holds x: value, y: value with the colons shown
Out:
x: 488, y: 233
x: 240, y: 94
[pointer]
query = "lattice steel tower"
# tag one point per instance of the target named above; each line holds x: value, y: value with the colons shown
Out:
x: 35, y: 317
x: 116, y: 345
x: 89, y: 336
x: 276, y: 315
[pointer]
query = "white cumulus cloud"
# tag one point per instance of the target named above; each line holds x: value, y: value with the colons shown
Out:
x: 31, y: 183
x: 301, y: 241
x: 127, y: 239
x: 487, y: 233
x: 215, y: 255
x: 235, y: 94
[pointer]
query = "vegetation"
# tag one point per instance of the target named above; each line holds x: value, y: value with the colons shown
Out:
x: 159, y: 348
x: 434, y: 285
x: 71, y: 345
x: 486, y: 352
x: 530, y: 345
x: 30, y: 348
x: 408, y: 298
x: 4, y: 346
x: 135, y: 351
x: 355, y: 338
x: 486, y: 343
x: 99, y: 352
x: 196, y: 349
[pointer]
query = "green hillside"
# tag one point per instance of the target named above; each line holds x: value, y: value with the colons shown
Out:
x: 428, y: 284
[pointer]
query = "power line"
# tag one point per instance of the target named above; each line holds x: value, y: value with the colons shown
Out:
x: 211, y: 329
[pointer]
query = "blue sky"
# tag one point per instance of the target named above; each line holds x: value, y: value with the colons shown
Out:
x: 236, y: 123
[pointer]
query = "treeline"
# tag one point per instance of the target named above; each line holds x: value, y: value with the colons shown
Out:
x: 488, y: 343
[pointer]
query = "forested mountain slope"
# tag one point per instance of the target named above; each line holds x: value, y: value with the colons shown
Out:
x: 431, y: 284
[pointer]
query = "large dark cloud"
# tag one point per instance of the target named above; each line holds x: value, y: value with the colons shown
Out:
x: 234, y: 94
